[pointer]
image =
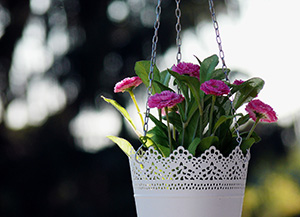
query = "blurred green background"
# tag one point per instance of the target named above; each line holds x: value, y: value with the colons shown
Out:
x: 57, y: 57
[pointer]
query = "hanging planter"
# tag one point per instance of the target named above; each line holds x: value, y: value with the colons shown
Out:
x: 182, y: 185
x: 194, y: 161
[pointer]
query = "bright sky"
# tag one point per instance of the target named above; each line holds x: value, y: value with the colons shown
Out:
x: 262, y: 42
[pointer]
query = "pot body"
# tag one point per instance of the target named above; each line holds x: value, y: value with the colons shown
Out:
x: 184, y: 186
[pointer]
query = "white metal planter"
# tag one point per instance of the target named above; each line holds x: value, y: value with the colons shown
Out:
x: 184, y: 186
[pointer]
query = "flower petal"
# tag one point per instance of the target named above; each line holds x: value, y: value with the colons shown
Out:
x: 215, y: 87
x: 127, y: 83
x: 258, y: 109
x: 190, y: 69
x: 164, y: 99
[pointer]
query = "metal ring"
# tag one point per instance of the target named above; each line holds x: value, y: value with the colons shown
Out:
x: 136, y: 154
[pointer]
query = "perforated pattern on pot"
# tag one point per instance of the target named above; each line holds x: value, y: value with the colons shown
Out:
x: 181, y: 171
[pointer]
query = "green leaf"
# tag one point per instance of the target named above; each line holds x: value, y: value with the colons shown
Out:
x: 180, y: 83
x: 206, y: 143
x: 159, y: 124
x: 165, y: 77
x: 225, y: 137
x: 162, y: 87
x: 191, y: 110
x: 164, y: 150
x: 224, y: 105
x: 193, y: 84
x: 193, y: 146
x: 234, y: 87
x: 199, y: 61
x: 256, y: 137
x: 243, y: 120
x: 248, y: 90
x: 142, y: 69
x: 190, y: 131
x: 160, y: 139
x: 123, y: 144
x: 175, y: 120
x: 253, y: 135
x: 218, y: 74
x: 207, y: 67
x: 147, y: 142
x: 181, y: 109
x: 124, y: 112
x: 206, y: 114
x: 220, y: 121
x: 246, y: 144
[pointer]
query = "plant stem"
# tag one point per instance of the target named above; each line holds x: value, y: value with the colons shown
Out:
x: 174, y: 133
x: 252, y: 128
x: 195, y: 130
x: 159, y: 115
x: 201, y: 106
x: 185, y: 121
x: 211, y: 114
x: 169, y: 130
x: 136, y: 105
x: 201, y: 125
x: 183, y: 132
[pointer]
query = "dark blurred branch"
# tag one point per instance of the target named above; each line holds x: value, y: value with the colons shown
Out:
x: 19, y: 12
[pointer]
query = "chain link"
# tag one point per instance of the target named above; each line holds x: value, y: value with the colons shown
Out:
x: 150, y: 76
x: 152, y: 62
x: 178, y: 31
x: 224, y: 67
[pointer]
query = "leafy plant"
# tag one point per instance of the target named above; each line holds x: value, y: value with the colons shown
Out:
x: 200, y: 114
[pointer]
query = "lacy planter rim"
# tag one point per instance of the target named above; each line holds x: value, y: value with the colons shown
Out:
x: 183, y: 172
x: 181, y: 150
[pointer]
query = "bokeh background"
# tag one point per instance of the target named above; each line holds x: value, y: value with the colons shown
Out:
x: 57, y: 57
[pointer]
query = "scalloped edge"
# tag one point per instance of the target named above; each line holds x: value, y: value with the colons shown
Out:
x: 237, y: 151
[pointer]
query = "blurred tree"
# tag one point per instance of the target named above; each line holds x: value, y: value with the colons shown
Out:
x: 56, y: 57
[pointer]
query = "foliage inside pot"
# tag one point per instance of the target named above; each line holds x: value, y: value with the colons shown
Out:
x: 199, y: 114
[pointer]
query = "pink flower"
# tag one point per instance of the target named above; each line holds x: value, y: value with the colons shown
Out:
x: 258, y: 109
x: 183, y: 68
x: 127, y: 83
x: 215, y: 87
x: 164, y: 99
x: 238, y: 82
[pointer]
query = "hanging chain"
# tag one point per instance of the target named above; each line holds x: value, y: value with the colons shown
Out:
x: 152, y: 63
x: 178, y: 31
x: 150, y: 76
x: 224, y: 67
x: 218, y: 37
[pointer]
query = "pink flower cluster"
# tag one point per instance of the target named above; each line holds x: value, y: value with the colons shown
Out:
x: 127, y: 84
x: 214, y: 87
x: 190, y: 69
x: 164, y: 99
x: 238, y: 82
x: 258, y: 109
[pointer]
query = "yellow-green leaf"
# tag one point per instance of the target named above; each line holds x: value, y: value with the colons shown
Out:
x: 123, y: 144
x: 124, y: 112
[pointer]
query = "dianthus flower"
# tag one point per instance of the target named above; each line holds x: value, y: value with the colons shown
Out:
x: 260, y: 110
x: 190, y: 69
x: 238, y: 82
x: 127, y: 84
x: 164, y: 99
x: 214, y: 87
